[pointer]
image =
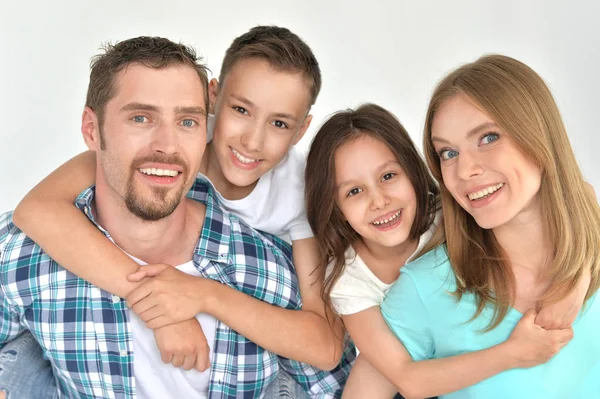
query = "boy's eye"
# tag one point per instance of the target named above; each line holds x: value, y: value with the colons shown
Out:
x: 388, y: 176
x: 241, y: 110
x: 354, y: 191
x: 280, y: 124
x: 140, y: 119
x: 489, y: 138
x: 188, y: 123
x: 448, y: 154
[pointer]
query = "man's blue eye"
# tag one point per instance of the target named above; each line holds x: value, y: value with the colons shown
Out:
x: 489, y: 138
x: 448, y: 154
x: 139, y: 119
x: 188, y: 123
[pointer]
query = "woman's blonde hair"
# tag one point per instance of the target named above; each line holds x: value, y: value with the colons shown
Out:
x: 521, y: 104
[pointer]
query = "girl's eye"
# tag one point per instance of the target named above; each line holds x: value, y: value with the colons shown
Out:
x: 489, y: 138
x: 188, y: 123
x: 388, y: 176
x: 280, y: 124
x: 354, y: 191
x: 241, y: 110
x: 140, y: 119
x: 448, y: 154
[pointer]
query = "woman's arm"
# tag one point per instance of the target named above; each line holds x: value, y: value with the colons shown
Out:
x: 302, y: 335
x: 48, y: 216
x: 528, y: 345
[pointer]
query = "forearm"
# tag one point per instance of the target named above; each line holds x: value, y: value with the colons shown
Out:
x: 296, y: 334
x: 441, y: 376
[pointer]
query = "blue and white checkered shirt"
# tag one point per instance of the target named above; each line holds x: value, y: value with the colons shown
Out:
x: 85, y: 331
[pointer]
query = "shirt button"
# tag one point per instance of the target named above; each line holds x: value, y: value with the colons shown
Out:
x: 123, y: 353
x: 116, y: 299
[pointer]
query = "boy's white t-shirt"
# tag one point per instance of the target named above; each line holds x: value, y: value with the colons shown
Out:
x: 276, y: 205
x: 358, y: 288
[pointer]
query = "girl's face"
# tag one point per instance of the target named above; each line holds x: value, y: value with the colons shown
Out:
x: 482, y: 168
x: 373, y: 192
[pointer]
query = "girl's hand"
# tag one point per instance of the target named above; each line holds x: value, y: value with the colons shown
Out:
x: 169, y: 297
x: 562, y: 314
x: 530, y: 345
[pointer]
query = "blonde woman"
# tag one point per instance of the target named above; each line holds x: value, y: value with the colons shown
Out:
x: 521, y: 227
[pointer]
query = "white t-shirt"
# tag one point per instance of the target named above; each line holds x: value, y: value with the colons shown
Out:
x: 276, y: 205
x: 155, y: 379
x: 358, y: 288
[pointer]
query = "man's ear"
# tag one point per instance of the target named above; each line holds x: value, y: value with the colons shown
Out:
x: 90, y: 128
x: 213, y: 92
x: 302, y: 130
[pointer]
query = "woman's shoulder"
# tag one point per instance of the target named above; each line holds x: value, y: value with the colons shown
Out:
x: 431, y: 269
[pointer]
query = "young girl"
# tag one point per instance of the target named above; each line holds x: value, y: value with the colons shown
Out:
x: 373, y: 206
x: 521, y: 226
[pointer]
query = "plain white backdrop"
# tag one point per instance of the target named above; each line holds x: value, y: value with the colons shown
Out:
x: 388, y: 52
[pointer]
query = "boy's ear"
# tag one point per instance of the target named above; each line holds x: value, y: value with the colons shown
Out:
x: 213, y: 92
x: 302, y: 130
x: 90, y: 128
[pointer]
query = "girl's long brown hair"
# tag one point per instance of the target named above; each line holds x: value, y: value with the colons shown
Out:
x: 333, y: 234
x: 518, y: 100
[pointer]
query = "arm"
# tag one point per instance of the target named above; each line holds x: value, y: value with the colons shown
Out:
x: 48, y: 216
x: 528, y: 345
x: 302, y: 335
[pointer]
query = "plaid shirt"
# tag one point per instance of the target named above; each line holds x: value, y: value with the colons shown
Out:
x: 85, y: 331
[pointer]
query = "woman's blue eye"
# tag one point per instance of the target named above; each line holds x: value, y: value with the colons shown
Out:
x: 448, y: 154
x: 139, y: 119
x: 489, y: 138
x: 241, y: 110
x: 280, y: 124
x: 388, y: 176
x: 188, y: 122
x: 354, y: 191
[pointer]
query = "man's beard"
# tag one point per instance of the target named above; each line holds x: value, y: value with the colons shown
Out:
x: 160, y: 204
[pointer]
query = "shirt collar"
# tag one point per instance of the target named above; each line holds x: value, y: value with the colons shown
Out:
x: 214, y: 240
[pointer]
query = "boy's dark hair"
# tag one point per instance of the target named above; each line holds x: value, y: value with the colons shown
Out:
x: 283, y: 50
x: 151, y: 52
x: 333, y: 233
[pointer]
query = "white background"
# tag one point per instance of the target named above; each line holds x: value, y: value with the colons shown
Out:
x: 388, y: 52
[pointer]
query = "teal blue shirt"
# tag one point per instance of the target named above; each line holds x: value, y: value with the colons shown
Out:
x: 432, y: 324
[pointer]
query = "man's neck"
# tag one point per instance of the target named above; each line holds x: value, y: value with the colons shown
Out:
x: 170, y: 240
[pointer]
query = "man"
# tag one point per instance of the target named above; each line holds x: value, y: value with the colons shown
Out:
x: 146, y: 120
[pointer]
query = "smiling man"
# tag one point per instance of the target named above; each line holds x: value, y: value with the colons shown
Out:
x: 145, y: 118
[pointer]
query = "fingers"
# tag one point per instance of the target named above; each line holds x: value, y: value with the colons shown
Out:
x: 150, y: 314
x: 177, y: 360
x: 137, y: 276
x: 139, y: 293
x: 202, y: 362
x: 189, y: 362
x: 529, y: 316
x: 166, y: 356
x: 158, y: 322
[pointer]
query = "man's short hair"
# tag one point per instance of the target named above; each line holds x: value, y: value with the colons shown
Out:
x: 151, y: 52
x: 282, y: 49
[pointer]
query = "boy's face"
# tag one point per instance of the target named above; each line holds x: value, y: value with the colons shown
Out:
x: 260, y: 112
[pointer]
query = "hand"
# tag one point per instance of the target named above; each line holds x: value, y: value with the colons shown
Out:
x: 532, y: 345
x: 170, y: 297
x: 561, y: 314
x: 184, y: 345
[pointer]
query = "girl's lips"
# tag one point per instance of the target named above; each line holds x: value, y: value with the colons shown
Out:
x: 389, y: 225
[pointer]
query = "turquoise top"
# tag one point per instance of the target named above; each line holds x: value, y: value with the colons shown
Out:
x: 432, y: 324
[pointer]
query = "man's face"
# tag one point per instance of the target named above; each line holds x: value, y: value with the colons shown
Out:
x: 260, y: 113
x: 155, y: 134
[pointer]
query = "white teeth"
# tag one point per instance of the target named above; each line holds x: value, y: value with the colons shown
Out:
x: 485, y: 192
x: 242, y: 158
x: 384, y: 221
x: 159, y: 172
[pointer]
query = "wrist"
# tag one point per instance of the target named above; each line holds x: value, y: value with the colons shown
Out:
x: 206, y: 295
x: 509, y: 355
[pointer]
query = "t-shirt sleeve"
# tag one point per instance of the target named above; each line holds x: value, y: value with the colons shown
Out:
x: 299, y: 228
x: 407, y: 316
x: 353, y: 292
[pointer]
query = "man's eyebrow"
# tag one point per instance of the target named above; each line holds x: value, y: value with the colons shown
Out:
x: 190, y: 110
x: 140, y: 107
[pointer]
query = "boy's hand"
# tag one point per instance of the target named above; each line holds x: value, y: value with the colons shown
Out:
x: 562, y: 314
x: 530, y: 345
x: 171, y: 296
x: 184, y: 345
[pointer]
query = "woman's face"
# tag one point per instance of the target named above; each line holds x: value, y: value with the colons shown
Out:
x: 373, y: 193
x: 482, y: 168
